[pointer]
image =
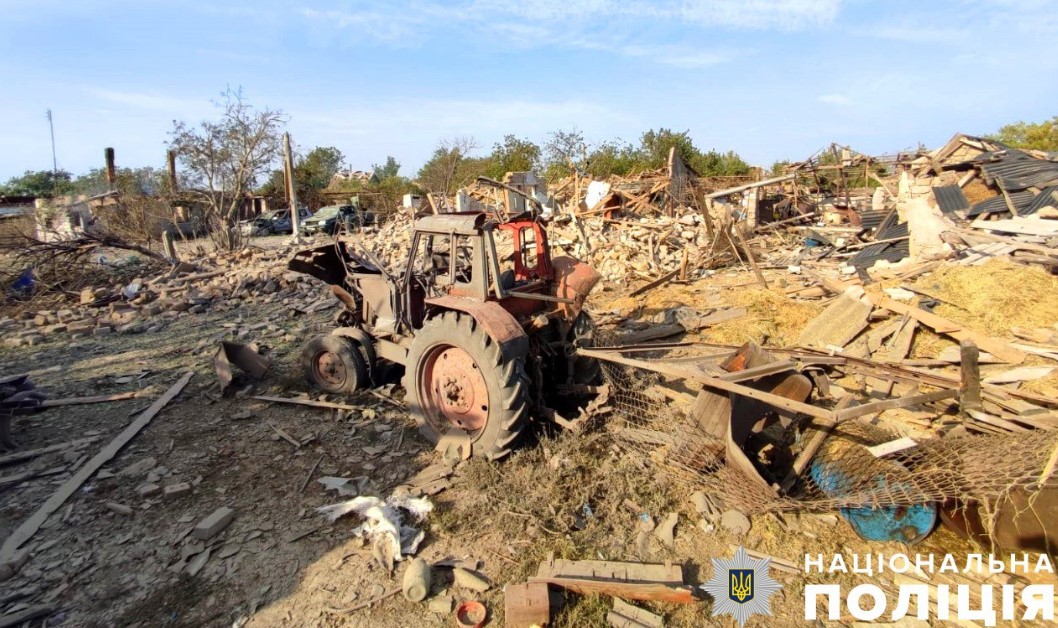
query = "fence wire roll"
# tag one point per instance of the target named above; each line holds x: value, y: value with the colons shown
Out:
x: 653, y: 419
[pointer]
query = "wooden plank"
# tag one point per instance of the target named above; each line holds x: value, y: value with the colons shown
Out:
x: 810, y: 448
x: 757, y: 372
x: 77, y: 401
x: 612, y: 570
x: 969, y: 377
x: 749, y: 255
x: 712, y: 382
x: 892, y: 447
x: 306, y: 402
x: 17, y: 619
x: 837, y: 325
x: 19, y: 456
x: 625, y: 615
x: 991, y: 237
x: 898, y: 348
x: 996, y: 347
x: 17, y: 478
x: 1020, y: 374
x: 667, y: 277
x: 1020, y: 226
x: 526, y: 605
x: 29, y: 527
x: 720, y: 316
x: 643, y: 591
x: 899, y: 402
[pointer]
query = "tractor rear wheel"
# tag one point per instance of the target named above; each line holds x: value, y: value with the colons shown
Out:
x: 334, y: 364
x: 458, y: 378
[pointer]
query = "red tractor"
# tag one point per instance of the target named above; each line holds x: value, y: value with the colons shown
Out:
x: 482, y: 319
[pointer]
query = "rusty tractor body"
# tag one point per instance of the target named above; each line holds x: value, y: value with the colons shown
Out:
x: 481, y: 317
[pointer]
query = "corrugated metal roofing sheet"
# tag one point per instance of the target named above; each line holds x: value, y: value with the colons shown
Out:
x: 890, y: 251
x: 1048, y: 196
x: 997, y: 205
x: 1016, y: 170
x: 870, y: 219
x: 950, y: 198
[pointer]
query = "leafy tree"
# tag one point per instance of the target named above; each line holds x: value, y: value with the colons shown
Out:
x: 613, y: 158
x: 40, y: 183
x: 144, y: 181
x: 1039, y: 135
x: 513, y: 155
x: 655, y: 146
x: 779, y: 166
x: 318, y: 167
x: 716, y: 164
x: 387, y: 170
x: 450, y: 167
x: 562, y: 152
x: 223, y: 159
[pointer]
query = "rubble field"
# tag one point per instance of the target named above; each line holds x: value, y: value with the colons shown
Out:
x: 207, y: 512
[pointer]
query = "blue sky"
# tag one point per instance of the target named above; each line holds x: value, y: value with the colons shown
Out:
x: 769, y: 79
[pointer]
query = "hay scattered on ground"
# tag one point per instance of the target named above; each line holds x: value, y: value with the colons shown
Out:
x: 771, y: 317
x: 995, y: 296
x: 976, y: 191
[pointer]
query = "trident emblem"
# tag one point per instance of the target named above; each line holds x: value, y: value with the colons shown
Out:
x: 741, y: 587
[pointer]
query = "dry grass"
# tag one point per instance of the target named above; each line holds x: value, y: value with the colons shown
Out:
x: 771, y: 317
x: 976, y: 191
x: 995, y: 296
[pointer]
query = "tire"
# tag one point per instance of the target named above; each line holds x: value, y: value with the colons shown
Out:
x: 586, y: 371
x: 487, y: 394
x: 334, y: 364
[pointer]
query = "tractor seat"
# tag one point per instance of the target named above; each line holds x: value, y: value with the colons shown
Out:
x: 507, y: 279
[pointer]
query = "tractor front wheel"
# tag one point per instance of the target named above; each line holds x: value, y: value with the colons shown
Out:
x: 458, y: 378
x: 334, y: 364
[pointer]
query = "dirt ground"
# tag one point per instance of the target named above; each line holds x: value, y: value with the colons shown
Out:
x: 281, y: 564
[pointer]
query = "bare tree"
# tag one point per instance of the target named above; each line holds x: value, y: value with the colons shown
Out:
x: 447, y: 168
x: 223, y: 160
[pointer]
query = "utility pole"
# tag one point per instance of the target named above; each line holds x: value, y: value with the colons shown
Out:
x: 292, y: 197
x: 51, y: 127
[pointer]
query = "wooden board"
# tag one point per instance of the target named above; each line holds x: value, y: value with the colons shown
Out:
x: 1020, y: 226
x: 29, y: 527
x: 996, y: 347
x: 837, y: 325
x: 632, y: 581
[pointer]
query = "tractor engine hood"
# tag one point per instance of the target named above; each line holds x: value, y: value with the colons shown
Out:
x: 330, y: 263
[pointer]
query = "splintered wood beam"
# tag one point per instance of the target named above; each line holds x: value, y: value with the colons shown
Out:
x: 631, y: 581
x: 970, y: 377
x: 711, y: 382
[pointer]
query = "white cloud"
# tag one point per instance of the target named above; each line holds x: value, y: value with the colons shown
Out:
x: 143, y: 100
x: 751, y: 14
x: 610, y: 25
x: 677, y: 56
x: 919, y: 34
x: 839, y: 100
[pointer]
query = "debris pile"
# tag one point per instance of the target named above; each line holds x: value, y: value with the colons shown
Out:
x: 217, y: 283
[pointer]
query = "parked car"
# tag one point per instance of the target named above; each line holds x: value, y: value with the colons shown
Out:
x: 273, y: 222
x: 332, y: 217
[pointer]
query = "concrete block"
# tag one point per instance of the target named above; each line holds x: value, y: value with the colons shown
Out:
x: 176, y: 490
x: 214, y: 524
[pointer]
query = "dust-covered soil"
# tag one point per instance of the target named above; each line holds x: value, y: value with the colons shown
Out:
x: 577, y: 495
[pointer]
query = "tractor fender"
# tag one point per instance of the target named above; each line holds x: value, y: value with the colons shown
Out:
x: 365, y: 341
x: 575, y: 281
x: 497, y: 322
